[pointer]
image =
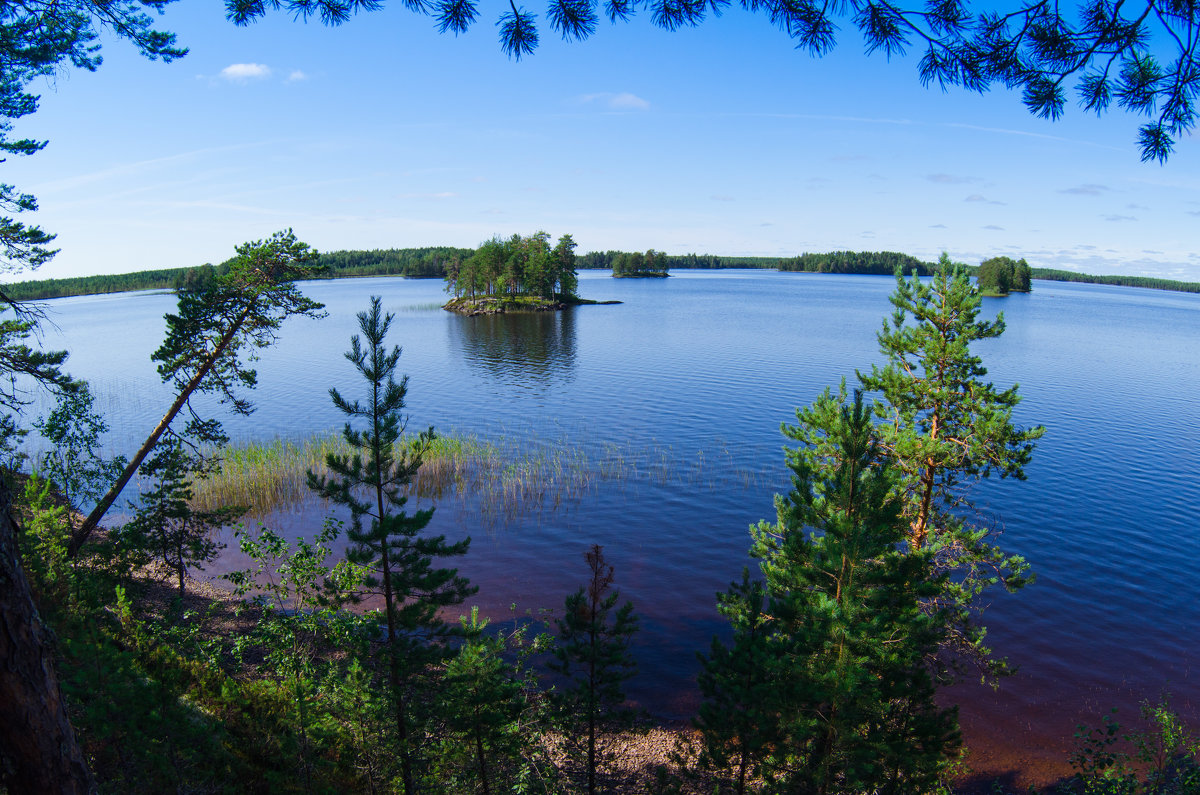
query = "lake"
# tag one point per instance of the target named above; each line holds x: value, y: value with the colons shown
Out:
x: 673, y: 400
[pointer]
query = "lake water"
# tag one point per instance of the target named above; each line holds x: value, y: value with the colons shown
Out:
x: 678, y: 394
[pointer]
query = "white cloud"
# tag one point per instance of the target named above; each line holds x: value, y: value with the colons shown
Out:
x: 621, y: 101
x: 241, y: 72
x: 1090, y: 189
x: 296, y: 76
x: 627, y: 101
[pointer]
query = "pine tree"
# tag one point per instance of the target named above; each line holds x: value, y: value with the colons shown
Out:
x: 738, y: 718
x: 593, y: 651
x: 164, y: 526
x: 399, y: 558
x: 945, y: 427
x: 849, y: 707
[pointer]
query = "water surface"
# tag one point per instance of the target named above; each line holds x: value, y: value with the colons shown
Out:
x: 687, y: 382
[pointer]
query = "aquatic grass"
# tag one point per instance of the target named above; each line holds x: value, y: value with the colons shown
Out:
x: 497, y: 480
x: 267, y: 476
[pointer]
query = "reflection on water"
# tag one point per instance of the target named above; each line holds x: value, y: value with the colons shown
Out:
x: 519, y: 347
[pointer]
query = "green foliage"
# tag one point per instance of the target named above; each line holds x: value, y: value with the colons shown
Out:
x: 217, y: 328
x: 74, y: 462
x: 397, y: 558
x: 652, y: 263
x: 1002, y: 275
x: 23, y: 368
x: 1149, y: 282
x: 518, y: 266
x: 299, y: 626
x: 491, y: 710
x: 592, y: 651
x: 46, y: 533
x: 605, y: 260
x: 430, y: 262
x: 216, y: 331
x: 739, y: 715
x: 833, y: 669
x: 1165, y: 759
x: 870, y: 262
x: 164, y: 527
x: 945, y: 428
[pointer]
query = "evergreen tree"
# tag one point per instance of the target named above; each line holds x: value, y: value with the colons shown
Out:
x: 945, y: 428
x: 564, y: 262
x: 739, y: 717
x: 217, y: 328
x: 74, y: 463
x: 593, y: 651
x: 850, y: 708
x: 488, y: 702
x: 399, y: 559
x: 164, y: 526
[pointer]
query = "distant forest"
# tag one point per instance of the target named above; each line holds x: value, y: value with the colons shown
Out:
x: 430, y: 262
x: 880, y: 263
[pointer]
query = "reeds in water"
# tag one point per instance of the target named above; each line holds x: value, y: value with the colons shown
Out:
x: 500, y: 480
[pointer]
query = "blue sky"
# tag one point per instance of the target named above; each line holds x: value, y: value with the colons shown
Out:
x: 722, y: 139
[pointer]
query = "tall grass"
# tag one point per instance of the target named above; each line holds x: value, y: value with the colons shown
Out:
x: 501, y: 480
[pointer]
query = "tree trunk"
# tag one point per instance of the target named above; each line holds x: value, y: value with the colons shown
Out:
x: 38, y: 750
x: 93, y: 519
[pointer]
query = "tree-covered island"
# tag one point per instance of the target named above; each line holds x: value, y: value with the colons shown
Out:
x: 651, y: 265
x: 1000, y: 276
x: 520, y: 274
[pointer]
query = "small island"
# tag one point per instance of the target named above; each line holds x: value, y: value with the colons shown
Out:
x: 651, y: 265
x: 518, y: 274
x: 999, y: 276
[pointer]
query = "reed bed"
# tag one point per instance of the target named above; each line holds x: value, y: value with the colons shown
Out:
x: 500, y: 480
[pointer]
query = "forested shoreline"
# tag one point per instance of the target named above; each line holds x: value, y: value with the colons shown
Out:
x: 436, y: 262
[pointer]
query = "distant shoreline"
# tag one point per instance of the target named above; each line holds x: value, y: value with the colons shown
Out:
x: 168, y: 279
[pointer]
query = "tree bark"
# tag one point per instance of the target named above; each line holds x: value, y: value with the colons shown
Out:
x: 38, y: 750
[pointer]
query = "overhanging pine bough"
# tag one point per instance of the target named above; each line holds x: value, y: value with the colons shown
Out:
x: 216, y: 323
x: 1142, y: 56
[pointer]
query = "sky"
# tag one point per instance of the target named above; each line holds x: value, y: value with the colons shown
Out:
x: 721, y: 139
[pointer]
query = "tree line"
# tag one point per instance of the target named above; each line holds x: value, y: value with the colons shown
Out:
x: 440, y: 261
x: 880, y: 263
x: 862, y: 604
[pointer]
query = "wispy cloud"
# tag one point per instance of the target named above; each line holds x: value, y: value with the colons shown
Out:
x: 1193, y: 212
x: 938, y: 226
x: 951, y: 179
x: 614, y: 101
x: 975, y: 197
x: 719, y: 198
x: 241, y: 72
x: 994, y: 228
x: 296, y: 76
x: 1119, y: 218
x: 1086, y: 190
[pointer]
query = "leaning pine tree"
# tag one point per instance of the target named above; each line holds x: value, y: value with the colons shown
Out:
x: 400, y: 559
